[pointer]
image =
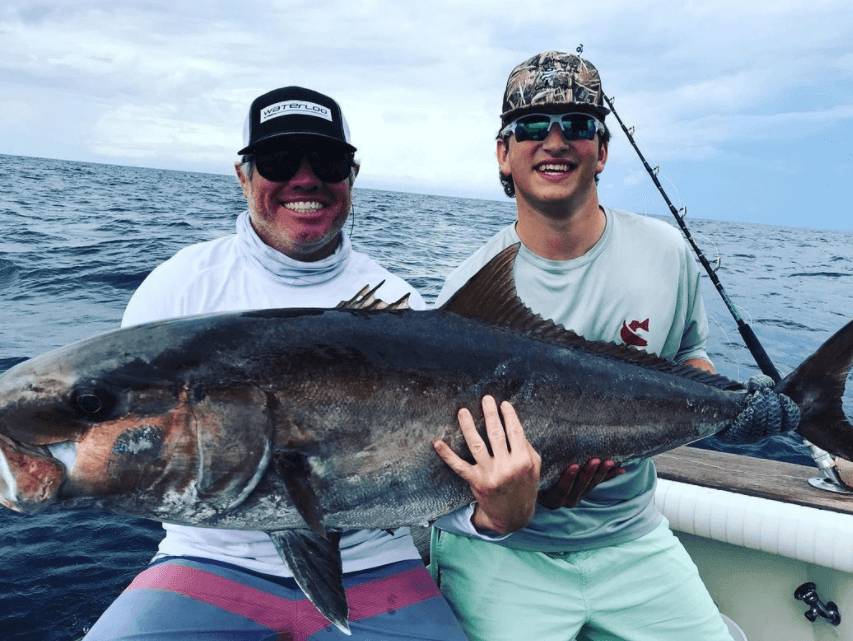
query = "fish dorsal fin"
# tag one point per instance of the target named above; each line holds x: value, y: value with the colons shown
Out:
x: 366, y: 300
x: 490, y: 297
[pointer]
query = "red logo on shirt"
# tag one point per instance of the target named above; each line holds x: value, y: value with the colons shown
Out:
x: 629, y: 335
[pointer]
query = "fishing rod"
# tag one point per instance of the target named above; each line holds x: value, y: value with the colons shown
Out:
x: 831, y: 481
x: 749, y: 337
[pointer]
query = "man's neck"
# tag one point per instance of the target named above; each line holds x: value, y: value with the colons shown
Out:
x: 561, y: 237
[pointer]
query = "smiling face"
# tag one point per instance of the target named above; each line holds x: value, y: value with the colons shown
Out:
x: 554, y: 177
x: 302, y: 217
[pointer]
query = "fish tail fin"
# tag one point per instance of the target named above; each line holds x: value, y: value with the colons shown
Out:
x: 817, y: 386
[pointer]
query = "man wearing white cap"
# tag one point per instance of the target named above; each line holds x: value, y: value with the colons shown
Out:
x: 289, y: 250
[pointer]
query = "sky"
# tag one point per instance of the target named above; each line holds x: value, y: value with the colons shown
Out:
x: 746, y: 108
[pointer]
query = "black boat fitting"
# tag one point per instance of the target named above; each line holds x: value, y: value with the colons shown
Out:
x: 807, y: 592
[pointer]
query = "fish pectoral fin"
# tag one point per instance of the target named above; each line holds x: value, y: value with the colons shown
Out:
x: 294, y: 470
x: 316, y: 565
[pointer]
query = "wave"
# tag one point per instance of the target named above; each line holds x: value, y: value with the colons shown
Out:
x: 818, y: 274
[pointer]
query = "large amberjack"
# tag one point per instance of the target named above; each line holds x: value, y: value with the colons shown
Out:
x: 305, y: 423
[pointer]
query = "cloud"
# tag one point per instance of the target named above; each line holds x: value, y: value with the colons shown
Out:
x: 141, y: 132
x: 421, y: 84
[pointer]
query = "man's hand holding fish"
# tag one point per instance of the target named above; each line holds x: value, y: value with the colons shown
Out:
x: 504, y: 481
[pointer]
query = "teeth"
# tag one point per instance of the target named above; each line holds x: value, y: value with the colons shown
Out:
x: 7, y: 477
x: 304, y: 206
x: 66, y: 452
x: 553, y: 167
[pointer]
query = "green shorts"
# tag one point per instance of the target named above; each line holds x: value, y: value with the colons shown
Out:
x: 642, y: 590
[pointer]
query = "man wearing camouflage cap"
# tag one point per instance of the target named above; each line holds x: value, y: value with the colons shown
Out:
x: 596, y: 560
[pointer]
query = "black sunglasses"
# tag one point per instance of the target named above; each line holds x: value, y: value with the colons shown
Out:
x: 330, y: 163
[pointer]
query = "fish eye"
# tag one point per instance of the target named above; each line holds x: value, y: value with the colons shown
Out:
x: 92, y: 402
x: 89, y: 403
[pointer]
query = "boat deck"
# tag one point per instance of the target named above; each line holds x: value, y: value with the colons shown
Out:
x: 774, y: 480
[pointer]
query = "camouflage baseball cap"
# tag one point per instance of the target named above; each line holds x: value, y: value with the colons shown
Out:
x: 553, y: 78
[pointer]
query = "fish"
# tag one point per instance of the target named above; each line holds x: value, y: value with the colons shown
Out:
x: 306, y: 423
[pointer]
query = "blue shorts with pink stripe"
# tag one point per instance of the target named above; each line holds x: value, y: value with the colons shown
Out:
x: 184, y: 599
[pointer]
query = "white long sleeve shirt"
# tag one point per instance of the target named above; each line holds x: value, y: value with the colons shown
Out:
x: 236, y: 273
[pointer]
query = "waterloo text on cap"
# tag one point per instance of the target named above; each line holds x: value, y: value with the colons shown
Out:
x: 292, y: 111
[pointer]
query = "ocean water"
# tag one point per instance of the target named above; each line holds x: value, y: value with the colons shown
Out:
x: 76, y: 239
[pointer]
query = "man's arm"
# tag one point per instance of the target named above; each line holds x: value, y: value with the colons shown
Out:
x: 701, y: 363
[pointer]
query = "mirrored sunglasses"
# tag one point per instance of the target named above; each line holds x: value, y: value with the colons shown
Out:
x: 330, y: 163
x: 575, y: 126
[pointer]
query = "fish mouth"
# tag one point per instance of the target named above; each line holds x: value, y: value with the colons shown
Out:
x: 30, y: 476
